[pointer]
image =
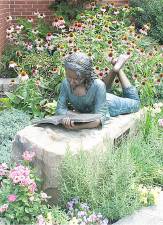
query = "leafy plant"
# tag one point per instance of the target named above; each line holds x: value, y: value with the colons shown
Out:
x: 21, y: 201
x: 149, y: 12
x: 5, y: 103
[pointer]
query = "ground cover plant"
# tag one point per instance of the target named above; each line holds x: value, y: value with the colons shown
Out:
x: 11, y: 121
x: 102, y: 32
x: 119, y: 180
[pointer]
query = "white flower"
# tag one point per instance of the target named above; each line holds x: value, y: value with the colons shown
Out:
x: 12, y: 64
x: 30, y: 20
x: 158, y: 105
x: 74, y: 221
x: 9, y: 18
x: 44, y: 196
x: 31, y: 199
x: 41, y: 15
x: 19, y: 27
x: 23, y: 76
x: 36, y: 13
x: 116, y: 12
x: 143, y: 32
x: 103, y: 9
x: 40, y: 48
x: 35, y: 31
x: 155, y: 111
x: 49, y: 46
x: 10, y: 30
x: 39, y: 41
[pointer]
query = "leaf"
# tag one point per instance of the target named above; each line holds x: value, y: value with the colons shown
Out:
x: 10, y: 95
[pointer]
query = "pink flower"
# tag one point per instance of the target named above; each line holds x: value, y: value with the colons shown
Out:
x: 3, y: 169
x: 12, y: 198
x: 49, y: 36
x: 160, y: 122
x: 40, y: 220
x: 28, y: 156
x: 19, y: 173
x: 29, y: 46
x: 3, y: 208
x: 32, y: 187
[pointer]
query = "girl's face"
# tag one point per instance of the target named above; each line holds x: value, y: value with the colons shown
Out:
x: 73, y: 78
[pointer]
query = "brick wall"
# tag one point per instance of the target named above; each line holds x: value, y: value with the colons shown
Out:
x: 4, y: 12
x: 27, y: 8
x: 117, y: 2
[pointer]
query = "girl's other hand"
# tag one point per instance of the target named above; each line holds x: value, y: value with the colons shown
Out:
x: 68, y: 123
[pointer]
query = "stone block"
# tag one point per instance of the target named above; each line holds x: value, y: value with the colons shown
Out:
x: 8, y: 84
x: 50, y: 144
x: 151, y: 215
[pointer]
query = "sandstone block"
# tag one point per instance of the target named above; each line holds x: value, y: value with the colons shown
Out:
x: 50, y: 144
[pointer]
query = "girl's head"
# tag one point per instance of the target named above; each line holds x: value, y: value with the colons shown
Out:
x: 78, y: 67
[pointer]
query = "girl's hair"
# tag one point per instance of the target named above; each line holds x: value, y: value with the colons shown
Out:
x: 82, y: 65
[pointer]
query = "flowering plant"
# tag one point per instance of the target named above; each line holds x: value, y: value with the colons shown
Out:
x: 103, y: 32
x: 21, y: 200
x: 148, y: 195
x: 80, y: 213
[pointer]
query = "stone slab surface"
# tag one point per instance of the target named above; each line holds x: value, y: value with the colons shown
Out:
x: 50, y: 144
x: 152, y: 215
x: 7, y: 84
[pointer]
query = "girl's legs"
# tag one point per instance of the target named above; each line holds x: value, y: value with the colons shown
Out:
x: 125, y: 83
x: 130, y: 102
x: 108, y: 80
x: 117, y: 70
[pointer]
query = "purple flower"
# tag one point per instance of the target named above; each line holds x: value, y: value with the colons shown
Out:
x: 104, y: 222
x: 70, y: 205
x: 84, y: 206
x: 75, y: 200
x: 160, y: 122
x: 81, y: 213
x: 93, y: 218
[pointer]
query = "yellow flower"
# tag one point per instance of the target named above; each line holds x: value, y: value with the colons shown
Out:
x: 143, y: 200
x: 49, y: 218
x: 153, y: 196
x: 99, y: 37
x: 74, y: 221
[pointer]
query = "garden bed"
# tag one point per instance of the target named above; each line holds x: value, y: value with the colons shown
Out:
x: 97, y: 187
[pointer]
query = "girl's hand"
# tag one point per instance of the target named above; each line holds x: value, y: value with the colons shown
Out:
x: 68, y: 123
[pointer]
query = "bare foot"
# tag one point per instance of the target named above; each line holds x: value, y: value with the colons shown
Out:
x: 113, y: 62
x: 122, y: 59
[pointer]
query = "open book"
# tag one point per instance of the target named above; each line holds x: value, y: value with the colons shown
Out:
x: 77, y: 118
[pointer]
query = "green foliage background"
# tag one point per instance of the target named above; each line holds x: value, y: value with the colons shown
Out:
x: 150, y: 11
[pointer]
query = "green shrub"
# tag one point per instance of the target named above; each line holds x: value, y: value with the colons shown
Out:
x: 109, y: 181
x: 151, y: 13
x: 11, y: 121
x: 104, y: 181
